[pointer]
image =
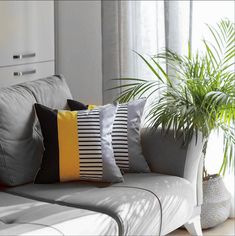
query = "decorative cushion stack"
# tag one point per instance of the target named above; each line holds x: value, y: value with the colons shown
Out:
x: 88, y: 144
x: 91, y: 143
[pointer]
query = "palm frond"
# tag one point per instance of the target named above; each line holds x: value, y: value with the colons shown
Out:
x: 198, y: 92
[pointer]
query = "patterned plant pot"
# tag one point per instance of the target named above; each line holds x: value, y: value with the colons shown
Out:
x: 216, y: 202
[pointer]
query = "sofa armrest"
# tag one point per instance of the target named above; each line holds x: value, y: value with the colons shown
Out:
x: 166, y: 155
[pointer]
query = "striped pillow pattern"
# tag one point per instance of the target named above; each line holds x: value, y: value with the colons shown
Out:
x: 90, y: 151
x: 125, y: 134
x: 77, y: 145
x: 120, y: 138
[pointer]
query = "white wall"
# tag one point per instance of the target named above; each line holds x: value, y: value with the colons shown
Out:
x: 79, y: 48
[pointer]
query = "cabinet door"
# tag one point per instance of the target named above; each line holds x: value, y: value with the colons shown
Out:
x: 26, y: 32
x: 10, y: 75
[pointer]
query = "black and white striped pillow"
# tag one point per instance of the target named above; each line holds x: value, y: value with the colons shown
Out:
x: 125, y: 135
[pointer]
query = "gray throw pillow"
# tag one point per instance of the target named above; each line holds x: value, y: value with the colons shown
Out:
x: 125, y: 134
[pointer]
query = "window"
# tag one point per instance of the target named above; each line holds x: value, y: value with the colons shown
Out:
x: 211, y: 12
x: 208, y: 12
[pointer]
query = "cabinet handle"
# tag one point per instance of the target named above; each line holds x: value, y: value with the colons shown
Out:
x: 22, y: 56
x: 27, y: 72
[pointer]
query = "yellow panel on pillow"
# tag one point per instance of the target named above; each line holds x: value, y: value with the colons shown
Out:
x: 91, y: 107
x: 69, y: 163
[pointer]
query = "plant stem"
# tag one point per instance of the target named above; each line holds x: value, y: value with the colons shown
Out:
x: 205, y: 173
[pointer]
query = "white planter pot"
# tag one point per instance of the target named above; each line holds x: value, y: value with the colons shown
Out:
x: 216, y: 202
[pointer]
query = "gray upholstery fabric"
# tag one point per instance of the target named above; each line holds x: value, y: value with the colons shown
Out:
x: 193, y: 166
x: 137, y: 162
x: 20, y: 147
x: 163, y: 153
x: 145, y: 204
x: 20, y: 215
x: 166, y: 155
x: 175, y: 195
x: 20, y: 142
x: 111, y: 172
x: 52, y: 91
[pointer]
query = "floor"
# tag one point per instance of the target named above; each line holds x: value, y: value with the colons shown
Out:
x: 227, y: 228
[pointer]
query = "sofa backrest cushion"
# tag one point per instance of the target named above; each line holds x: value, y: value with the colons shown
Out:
x: 21, y: 145
x: 164, y: 153
x: 51, y: 92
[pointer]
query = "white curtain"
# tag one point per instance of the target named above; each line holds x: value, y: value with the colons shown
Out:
x: 142, y: 26
x: 218, y: 10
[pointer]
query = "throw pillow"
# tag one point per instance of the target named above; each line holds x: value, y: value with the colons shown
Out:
x: 125, y: 134
x: 77, y: 145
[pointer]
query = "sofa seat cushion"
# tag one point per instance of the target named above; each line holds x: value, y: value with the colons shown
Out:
x: 24, y: 216
x: 175, y: 194
x: 145, y: 204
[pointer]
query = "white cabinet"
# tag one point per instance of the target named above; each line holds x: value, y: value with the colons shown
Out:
x: 10, y: 75
x: 26, y: 37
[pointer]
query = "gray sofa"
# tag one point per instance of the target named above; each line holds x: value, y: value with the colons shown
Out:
x: 153, y: 203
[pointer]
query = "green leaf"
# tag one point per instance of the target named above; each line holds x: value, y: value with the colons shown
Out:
x: 149, y: 65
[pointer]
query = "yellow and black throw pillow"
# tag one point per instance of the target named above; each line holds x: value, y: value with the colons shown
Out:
x: 77, y: 145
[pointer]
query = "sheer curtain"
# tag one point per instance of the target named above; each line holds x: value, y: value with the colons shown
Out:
x: 218, y: 10
x: 142, y: 26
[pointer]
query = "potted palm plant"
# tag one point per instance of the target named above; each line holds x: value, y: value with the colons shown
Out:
x: 195, y: 94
